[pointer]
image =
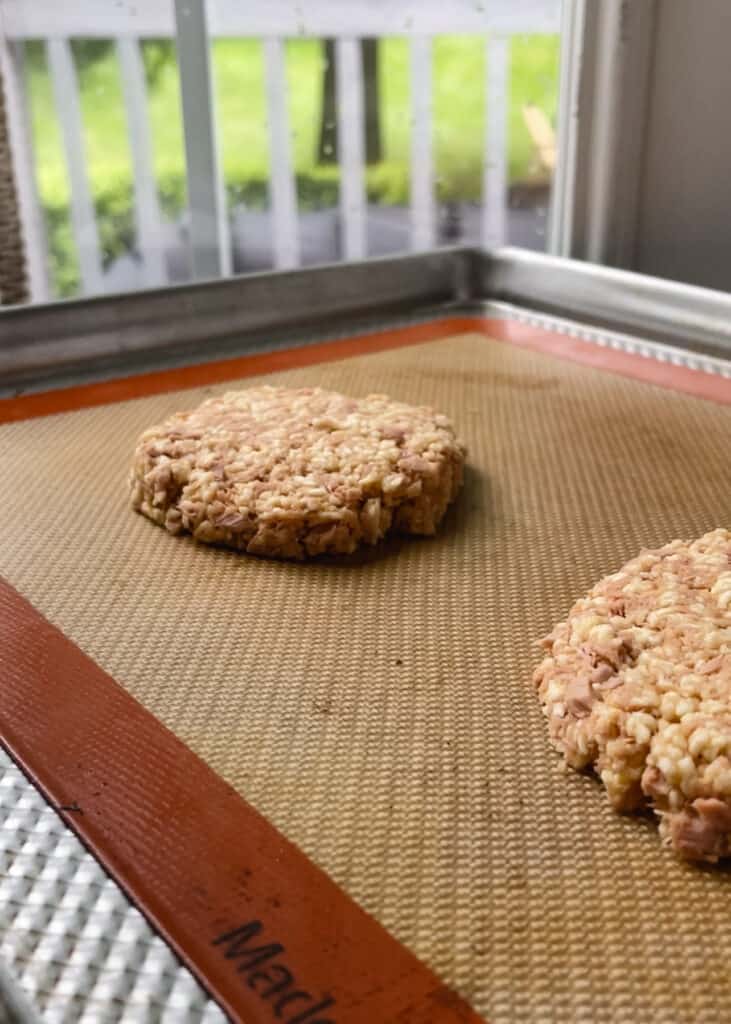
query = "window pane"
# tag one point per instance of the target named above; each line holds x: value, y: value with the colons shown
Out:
x: 327, y: 149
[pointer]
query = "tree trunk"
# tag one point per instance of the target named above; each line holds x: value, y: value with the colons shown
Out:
x: 327, y: 148
x: 369, y: 55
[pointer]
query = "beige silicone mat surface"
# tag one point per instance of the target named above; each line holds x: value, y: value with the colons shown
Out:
x: 380, y: 712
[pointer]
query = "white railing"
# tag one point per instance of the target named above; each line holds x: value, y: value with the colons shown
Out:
x: 128, y: 22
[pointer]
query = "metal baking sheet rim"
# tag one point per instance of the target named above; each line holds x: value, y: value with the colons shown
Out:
x: 46, y: 346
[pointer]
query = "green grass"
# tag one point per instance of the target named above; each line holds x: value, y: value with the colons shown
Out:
x: 458, y: 103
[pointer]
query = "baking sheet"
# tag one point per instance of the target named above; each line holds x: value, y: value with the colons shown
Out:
x: 66, y: 929
x: 398, y: 741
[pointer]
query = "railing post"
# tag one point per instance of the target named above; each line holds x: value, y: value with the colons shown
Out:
x: 68, y: 111
x: 209, y: 232
x: 497, y: 97
x: 147, y: 209
x: 423, y: 207
x: 281, y: 175
x: 351, y: 133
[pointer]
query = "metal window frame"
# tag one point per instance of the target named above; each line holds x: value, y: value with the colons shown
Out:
x: 607, y: 52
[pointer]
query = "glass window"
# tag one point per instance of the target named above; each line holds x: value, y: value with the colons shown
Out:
x: 289, y: 148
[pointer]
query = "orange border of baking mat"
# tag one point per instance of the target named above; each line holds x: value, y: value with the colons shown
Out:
x: 267, y: 932
x: 563, y: 346
x: 265, y: 929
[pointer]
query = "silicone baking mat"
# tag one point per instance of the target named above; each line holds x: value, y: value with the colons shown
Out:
x: 375, y: 712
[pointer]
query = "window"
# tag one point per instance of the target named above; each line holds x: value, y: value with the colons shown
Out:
x: 159, y: 142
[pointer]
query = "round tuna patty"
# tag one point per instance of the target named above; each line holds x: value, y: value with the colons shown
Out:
x: 637, y: 685
x: 298, y: 472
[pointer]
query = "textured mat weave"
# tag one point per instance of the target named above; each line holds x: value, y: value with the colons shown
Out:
x: 380, y: 712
